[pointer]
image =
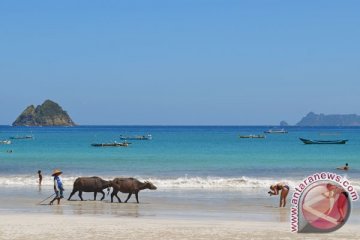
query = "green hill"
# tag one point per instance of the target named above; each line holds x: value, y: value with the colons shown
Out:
x: 313, y: 119
x: 47, y: 114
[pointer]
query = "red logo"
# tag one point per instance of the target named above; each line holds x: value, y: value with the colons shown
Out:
x: 325, y: 207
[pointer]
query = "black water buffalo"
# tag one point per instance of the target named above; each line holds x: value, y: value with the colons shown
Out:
x: 90, y: 184
x: 130, y: 186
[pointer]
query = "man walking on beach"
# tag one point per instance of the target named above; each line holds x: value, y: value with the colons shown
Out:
x: 58, y: 186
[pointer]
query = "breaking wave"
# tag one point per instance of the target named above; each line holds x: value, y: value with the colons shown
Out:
x: 215, y: 183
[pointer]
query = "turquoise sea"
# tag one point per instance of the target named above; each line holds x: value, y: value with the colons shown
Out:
x: 178, y: 156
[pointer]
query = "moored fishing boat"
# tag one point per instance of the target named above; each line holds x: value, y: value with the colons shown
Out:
x: 252, y: 136
x: 141, y: 137
x: 276, y: 131
x: 114, y: 144
x: 308, y: 141
x: 22, y: 137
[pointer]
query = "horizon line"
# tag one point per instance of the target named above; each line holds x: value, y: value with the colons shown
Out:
x: 168, y: 125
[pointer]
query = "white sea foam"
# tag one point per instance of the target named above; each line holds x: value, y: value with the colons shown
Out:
x: 215, y: 183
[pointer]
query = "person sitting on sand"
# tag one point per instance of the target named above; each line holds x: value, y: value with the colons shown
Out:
x: 40, y: 177
x: 345, y: 168
x: 284, y: 192
x: 58, y: 186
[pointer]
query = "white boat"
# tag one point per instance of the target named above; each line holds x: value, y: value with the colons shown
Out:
x: 276, y: 131
x: 5, y: 142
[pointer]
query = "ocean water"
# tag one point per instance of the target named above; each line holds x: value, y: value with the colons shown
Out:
x: 207, y: 157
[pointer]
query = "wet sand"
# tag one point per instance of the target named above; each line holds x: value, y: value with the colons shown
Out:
x: 163, y: 214
x: 180, y: 204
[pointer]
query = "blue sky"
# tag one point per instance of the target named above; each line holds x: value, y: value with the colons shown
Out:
x: 180, y: 62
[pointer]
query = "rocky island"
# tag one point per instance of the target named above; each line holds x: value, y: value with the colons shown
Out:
x: 47, y: 114
x: 315, y: 120
x: 284, y: 124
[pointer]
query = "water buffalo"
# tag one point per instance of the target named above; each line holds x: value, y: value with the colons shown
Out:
x: 130, y: 186
x: 90, y: 184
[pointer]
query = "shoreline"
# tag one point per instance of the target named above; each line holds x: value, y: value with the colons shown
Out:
x: 164, y: 214
x: 209, y: 183
x: 254, y: 205
x: 190, y: 204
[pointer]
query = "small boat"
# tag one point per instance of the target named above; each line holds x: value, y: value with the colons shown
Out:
x: 143, y: 137
x: 252, y: 136
x: 308, y: 141
x: 114, y: 144
x: 22, y: 137
x: 329, y: 134
x: 276, y: 131
x: 5, y: 142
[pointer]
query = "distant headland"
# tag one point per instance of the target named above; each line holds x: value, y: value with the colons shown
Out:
x: 47, y: 114
x: 315, y: 120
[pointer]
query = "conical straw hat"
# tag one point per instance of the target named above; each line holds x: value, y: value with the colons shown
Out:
x: 56, y: 172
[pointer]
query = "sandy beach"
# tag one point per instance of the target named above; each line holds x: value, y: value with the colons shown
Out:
x: 167, y: 214
x: 210, y: 120
x: 47, y: 226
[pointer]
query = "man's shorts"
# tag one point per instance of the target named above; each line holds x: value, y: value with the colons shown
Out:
x: 59, y: 194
